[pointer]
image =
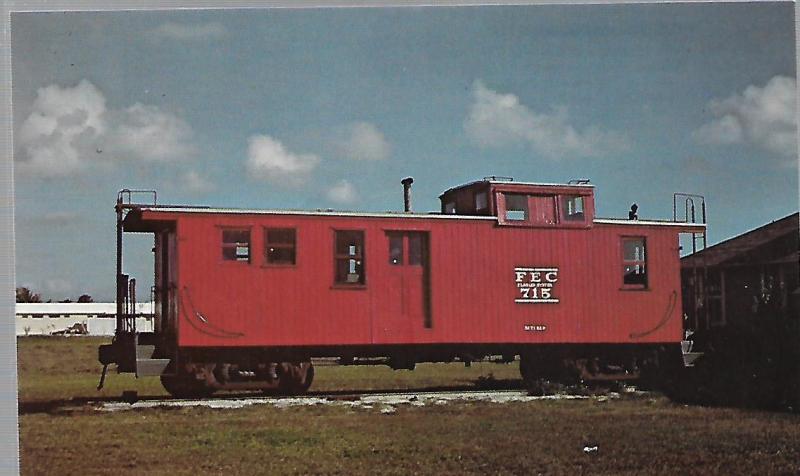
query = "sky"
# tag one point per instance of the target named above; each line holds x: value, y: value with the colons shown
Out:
x: 331, y: 108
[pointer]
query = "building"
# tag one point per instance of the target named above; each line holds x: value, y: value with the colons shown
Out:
x: 76, y: 318
x: 746, y: 277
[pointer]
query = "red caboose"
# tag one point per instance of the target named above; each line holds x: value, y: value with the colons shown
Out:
x: 245, y: 298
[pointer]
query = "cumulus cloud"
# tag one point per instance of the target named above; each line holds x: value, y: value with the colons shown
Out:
x: 196, y: 184
x: 60, y: 117
x: 188, y: 31
x: 150, y: 134
x: 342, y: 192
x: 498, y: 120
x: 363, y: 141
x: 71, y: 127
x: 760, y: 116
x: 269, y: 160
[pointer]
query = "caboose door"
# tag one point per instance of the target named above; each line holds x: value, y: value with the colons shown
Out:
x: 404, y: 299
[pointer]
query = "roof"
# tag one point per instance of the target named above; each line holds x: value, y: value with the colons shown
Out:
x: 729, y: 250
x: 432, y: 215
x: 246, y: 211
x: 696, y: 227
x: 512, y: 182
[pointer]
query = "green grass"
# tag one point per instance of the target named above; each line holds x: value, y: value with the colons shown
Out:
x: 634, y: 436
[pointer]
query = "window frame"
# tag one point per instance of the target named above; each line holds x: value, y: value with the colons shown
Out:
x: 645, y: 285
x: 396, y: 235
x: 359, y: 255
x: 527, y: 207
x: 484, y: 197
x: 566, y: 217
x: 267, y: 244
x: 224, y: 245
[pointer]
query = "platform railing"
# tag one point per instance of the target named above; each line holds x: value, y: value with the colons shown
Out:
x: 700, y: 289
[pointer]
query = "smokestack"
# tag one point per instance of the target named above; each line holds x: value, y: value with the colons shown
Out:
x: 407, y: 193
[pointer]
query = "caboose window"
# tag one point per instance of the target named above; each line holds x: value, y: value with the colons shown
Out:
x: 450, y: 208
x: 395, y: 249
x: 516, y: 207
x: 572, y: 208
x: 236, y: 244
x: 349, y: 257
x: 280, y: 246
x: 634, y: 262
x: 481, y: 201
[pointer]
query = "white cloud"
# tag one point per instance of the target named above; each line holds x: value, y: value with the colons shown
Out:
x: 761, y: 116
x: 342, y: 192
x: 269, y: 160
x: 196, y: 184
x: 363, y: 141
x: 71, y: 127
x: 499, y: 120
x: 60, y: 117
x: 150, y: 134
x: 188, y: 32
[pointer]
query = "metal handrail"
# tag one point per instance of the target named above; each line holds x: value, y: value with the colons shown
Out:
x: 129, y: 193
x: 689, y: 201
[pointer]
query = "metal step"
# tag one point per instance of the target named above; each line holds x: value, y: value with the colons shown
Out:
x: 150, y: 367
x: 146, y: 365
x: 689, y: 358
x: 144, y: 351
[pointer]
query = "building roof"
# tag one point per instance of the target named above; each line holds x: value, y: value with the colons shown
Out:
x: 734, y: 249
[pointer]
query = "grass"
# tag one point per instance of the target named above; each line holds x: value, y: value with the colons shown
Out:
x: 633, y: 436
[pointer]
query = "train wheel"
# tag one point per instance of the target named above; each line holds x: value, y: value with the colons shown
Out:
x: 185, y: 385
x: 295, y: 378
x: 531, y: 377
x: 543, y: 371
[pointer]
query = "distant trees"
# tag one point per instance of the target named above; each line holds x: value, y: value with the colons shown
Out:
x: 26, y: 295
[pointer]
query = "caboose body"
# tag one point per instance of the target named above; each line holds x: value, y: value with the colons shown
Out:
x: 245, y: 298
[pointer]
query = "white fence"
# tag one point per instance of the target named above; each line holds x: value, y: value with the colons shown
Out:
x: 76, y: 318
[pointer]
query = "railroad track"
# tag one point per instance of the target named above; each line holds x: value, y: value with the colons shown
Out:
x: 385, y: 401
x: 467, y: 391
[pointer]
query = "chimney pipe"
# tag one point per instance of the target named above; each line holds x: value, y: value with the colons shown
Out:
x: 407, y: 193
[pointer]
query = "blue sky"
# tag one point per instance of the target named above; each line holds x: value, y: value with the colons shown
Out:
x: 330, y: 108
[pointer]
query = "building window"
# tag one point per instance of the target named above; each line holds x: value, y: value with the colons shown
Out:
x: 349, y: 257
x: 516, y: 207
x: 634, y: 262
x: 572, y: 208
x: 236, y: 245
x: 280, y: 245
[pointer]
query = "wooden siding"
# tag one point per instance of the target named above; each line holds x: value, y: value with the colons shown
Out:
x: 472, y: 275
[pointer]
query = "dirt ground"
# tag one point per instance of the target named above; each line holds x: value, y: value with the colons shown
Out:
x: 641, y: 434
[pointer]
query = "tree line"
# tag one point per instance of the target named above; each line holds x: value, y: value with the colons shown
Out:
x: 26, y: 295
